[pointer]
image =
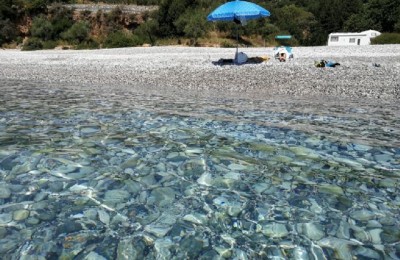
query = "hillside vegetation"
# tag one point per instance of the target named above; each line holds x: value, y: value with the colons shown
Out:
x: 38, y: 24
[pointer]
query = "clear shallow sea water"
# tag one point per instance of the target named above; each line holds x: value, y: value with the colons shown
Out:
x: 119, y: 175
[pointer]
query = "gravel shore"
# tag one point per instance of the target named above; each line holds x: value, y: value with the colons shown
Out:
x: 191, y: 70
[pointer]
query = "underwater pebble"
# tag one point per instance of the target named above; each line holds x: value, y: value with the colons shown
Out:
x: 312, y: 231
x: 162, y: 246
x: 21, y: 214
x: 162, y: 196
x: 224, y: 252
x: 362, y: 215
x: 274, y: 230
x: 104, y: 217
x: 331, y: 189
x: 7, y: 245
x: 126, y: 250
x: 94, y: 256
x: 341, y: 247
x: 376, y: 235
x: 367, y: 253
x: 300, y: 253
x: 205, y: 179
x: 115, y: 196
x: 157, y: 230
x: 196, y: 218
x: 5, y: 218
x: 5, y: 192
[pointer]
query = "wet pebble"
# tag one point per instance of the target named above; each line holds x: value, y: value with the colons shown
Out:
x: 196, y: 218
x: 115, y: 196
x: 5, y: 218
x: 368, y: 253
x: 5, y: 192
x: 8, y: 245
x: 21, y: 214
x: 45, y: 215
x: 312, y: 231
x: 162, y: 196
x: 157, y: 229
x: 94, y: 256
x: 362, y: 215
x: 274, y: 230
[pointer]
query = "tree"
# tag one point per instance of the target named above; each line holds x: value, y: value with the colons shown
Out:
x: 61, y: 19
x: 148, y: 31
x: 33, y: 7
x: 193, y: 24
x: 296, y: 21
x: 6, y: 11
x: 384, y: 14
x: 358, y: 23
x: 169, y: 12
x: 7, y: 31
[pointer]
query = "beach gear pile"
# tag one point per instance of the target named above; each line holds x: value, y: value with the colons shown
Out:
x: 324, y: 63
x: 242, y: 59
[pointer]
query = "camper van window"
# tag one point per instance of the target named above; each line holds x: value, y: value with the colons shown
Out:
x: 352, y: 40
x: 334, y: 38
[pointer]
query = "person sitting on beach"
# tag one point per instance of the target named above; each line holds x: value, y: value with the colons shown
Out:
x: 282, y: 57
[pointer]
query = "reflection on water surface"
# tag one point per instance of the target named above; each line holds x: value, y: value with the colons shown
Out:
x: 129, y: 176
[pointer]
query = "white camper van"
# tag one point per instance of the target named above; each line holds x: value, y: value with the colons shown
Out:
x: 348, y: 39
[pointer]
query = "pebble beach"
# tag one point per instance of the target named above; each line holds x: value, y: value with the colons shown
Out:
x: 191, y: 70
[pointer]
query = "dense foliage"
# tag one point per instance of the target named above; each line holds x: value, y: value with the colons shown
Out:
x: 44, y: 23
x: 387, y: 38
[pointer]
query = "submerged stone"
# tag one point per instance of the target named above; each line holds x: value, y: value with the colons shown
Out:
x: 367, y: 253
x: 300, y: 253
x: 205, y: 179
x: 362, y: 215
x: 192, y: 246
x: 224, y: 252
x: 162, y: 196
x: 5, y: 218
x: 131, y: 248
x: 341, y: 247
x: 5, y: 192
x: 312, y: 231
x: 275, y: 230
x: 157, y: 229
x: 94, y: 256
x: 116, y: 196
x: 196, y: 218
x: 21, y: 214
x: 331, y: 189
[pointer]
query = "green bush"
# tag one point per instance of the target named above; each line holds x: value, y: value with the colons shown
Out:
x: 387, y: 38
x: 42, y: 28
x: 77, y: 33
x: 121, y: 39
x: 47, y: 45
x: 33, y: 43
x: 89, y: 44
x: 7, y: 31
x: 61, y: 19
x: 227, y: 44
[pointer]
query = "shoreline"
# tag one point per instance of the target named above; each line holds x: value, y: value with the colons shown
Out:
x: 189, y: 70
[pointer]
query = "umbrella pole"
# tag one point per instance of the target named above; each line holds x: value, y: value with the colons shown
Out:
x: 237, y: 43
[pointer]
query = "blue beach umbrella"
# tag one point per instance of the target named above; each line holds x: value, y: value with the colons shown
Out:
x: 238, y: 11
